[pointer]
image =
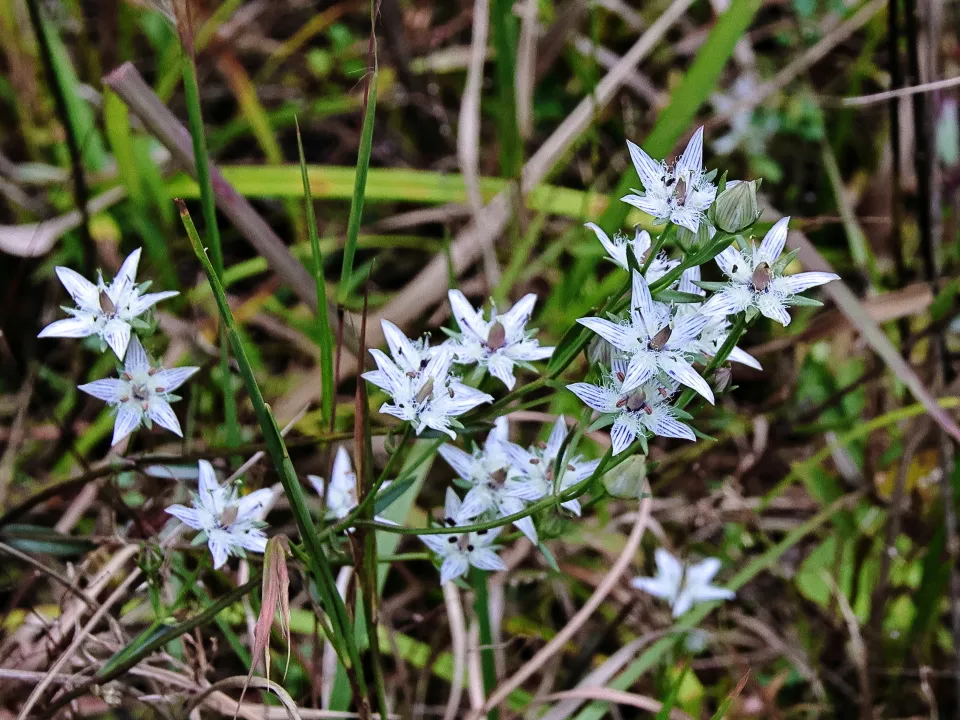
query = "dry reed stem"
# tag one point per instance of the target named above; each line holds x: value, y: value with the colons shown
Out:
x: 570, y: 629
x: 458, y: 640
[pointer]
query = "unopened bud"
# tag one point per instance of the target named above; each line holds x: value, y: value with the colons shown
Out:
x: 722, y: 378
x: 628, y: 479
x: 689, y: 240
x: 736, y: 208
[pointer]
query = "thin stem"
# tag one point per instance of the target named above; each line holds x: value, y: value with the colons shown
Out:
x: 208, y: 204
x: 571, y: 493
x: 481, y: 605
x: 342, y: 638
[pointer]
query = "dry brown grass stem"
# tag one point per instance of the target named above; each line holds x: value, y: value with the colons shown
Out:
x: 577, y: 621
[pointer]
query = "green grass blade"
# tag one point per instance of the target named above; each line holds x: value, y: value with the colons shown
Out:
x: 503, y: 27
x: 342, y: 638
x: 360, y: 182
x: 327, y: 339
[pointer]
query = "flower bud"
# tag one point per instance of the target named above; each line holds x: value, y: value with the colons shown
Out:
x: 723, y: 378
x: 628, y: 479
x: 736, y: 208
x: 690, y: 240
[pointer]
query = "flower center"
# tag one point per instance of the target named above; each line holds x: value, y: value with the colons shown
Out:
x: 658, y: 341
x: 762, y: 277
x: 497, y: 337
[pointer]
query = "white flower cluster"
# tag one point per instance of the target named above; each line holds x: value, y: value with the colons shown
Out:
x: 655, y: 346
x: 112, y: 312
x: 502, y: 478
x: 418, y: 377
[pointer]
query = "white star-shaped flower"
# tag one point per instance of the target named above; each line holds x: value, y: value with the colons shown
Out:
x: 682, y: 589
x: 679, y: 193
x: 142, y: 394
x: 487, y: 472
x: 496, y: 344
x: 619, y: 248
x: 427, y: 396
x: 536, y: 468
x: 654, y: 343
x: 409, y: 355
x: 459, y: 552
x: 231, y: 524
x: 108, y: 311
x: 636, y: 411
x: 717, y: 329
x: 341, y: 493
x: 757, y: 281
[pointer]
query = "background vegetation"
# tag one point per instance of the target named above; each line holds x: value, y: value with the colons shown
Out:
x: 827, y: 491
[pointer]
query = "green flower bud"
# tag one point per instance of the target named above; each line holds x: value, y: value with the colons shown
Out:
x: 628, y: 479
x: 690, y: 240
x: 736, y: 209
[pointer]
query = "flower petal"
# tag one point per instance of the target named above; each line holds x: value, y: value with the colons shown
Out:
x: 557, y: 435
x: 622, y: 434
x: 772, y: 307
x: 453, y: 567
x: 400, y: 346
x: 162, y: 414
x: 487, y: 559
x: 75, y: 327
x: 617, y: 253
x: 692, y: 158
x: 668, y: 426
x: 461, y: 462
x: 599, y: 398
x: 613, y: 333
x: 117, y: 334
x: 207, y: 484
x: 501, y: 367
x: 745, y: 358
x: 84, y: 293
x: 793, y: 284
x: 217, y: 541
x: 188, y: 516
x: 649, y: 170
x: 127, y: 274
x: 519, y: 315
x: 250, y: 507
x: 773, y: 242
x: 172, y: 378
x: 451, y: 504
x: 110, y: 390
x: 469, y: 320
x: 126, y: 422
x: 145, y: 302
x: 683, y: 372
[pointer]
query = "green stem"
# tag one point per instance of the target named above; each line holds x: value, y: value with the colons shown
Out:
x: 481, y: 605
x: 571, y: 493
x: 342, y: 638
x: 209, y: 205
x: 368, y: 501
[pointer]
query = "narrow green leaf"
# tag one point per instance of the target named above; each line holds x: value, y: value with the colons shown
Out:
x: 327, y: 339
x: 360, y: 184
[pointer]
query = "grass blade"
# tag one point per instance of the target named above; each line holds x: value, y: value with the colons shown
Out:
x: 327, y: 340
x: 363, y: 165
x: 342, y: 638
